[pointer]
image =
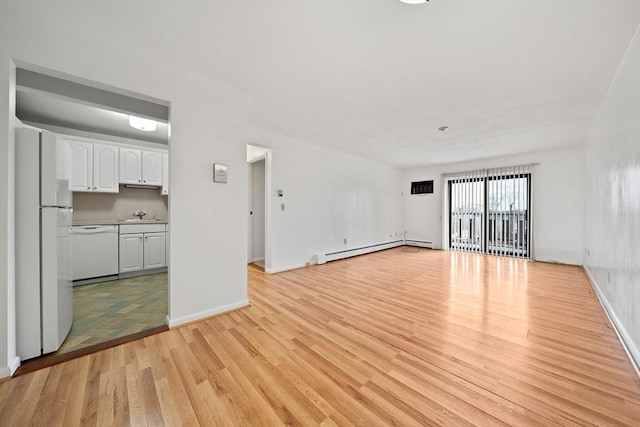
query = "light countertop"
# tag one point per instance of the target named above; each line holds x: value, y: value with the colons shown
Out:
x: 118, y: 222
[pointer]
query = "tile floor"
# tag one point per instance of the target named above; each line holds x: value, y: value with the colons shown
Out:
x: 108, y: 310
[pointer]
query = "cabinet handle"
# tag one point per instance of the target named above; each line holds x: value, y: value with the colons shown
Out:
x: 138, y: 180
x: 140, y: 238
x: 144, y: 180
x: 95, y: 188
x: 88, y: 188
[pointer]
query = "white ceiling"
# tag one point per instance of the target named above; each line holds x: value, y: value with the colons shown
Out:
x: 377, y: 78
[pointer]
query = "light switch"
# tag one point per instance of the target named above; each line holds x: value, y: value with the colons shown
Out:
x: 280, y: 193
x: 282, y: 207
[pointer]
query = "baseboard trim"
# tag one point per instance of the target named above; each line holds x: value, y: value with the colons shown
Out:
x: 281, y: 269
x: 7, y: 371
x: 15, y: 364
x: 202, y: 315
x: 618, y: 327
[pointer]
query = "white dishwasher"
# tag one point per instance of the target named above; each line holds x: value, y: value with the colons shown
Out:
x: 94, y: 249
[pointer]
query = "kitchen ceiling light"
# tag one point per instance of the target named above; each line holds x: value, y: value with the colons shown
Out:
x: 142, y: 124
x: 414, y: 1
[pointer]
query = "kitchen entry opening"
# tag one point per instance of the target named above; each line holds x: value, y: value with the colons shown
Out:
x: 489, y: 211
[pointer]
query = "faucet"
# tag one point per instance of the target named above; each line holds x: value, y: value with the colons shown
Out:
x: 139, y: 214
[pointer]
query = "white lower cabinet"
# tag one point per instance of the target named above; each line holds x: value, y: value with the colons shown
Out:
x: 154, y: 250
x: 142, y: 247
x: 131, y: 252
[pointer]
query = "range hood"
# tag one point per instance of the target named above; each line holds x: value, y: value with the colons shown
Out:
x: 144, y: 187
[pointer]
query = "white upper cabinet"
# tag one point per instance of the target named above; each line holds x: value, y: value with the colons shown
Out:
x: 165, y: 173
x: 105, y: 168
x: 94, y: 167
x: 140, y: 166
x: 63, y: 160
x: 152, y: 167
x: 101, y: 167
x: 81, y: 166
x: 130, y: 166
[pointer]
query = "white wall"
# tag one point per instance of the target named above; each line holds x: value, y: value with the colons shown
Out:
x: 208, y: 125
x: 328, y: 196
x: 557, y: 202
x: 612, y: 203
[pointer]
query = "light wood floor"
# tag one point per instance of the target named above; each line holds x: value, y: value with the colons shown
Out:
x: 392, y: 338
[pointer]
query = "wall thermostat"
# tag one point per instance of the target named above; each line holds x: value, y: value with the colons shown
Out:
x: 220, y: 173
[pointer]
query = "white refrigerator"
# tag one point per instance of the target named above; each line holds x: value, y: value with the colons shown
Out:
x: 44, y: 293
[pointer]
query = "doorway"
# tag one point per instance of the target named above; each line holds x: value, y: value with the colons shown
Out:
x: 111, y: 311
x: 257, y: 180
x: 257, y: 211
x: 490, y: 212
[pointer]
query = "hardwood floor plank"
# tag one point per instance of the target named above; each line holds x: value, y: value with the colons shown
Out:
x: 152, y: 410
x: 391, y: 338
x: 135, y: 396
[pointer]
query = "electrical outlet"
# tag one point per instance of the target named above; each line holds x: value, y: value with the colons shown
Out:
x: 345, y: 240
x: 282, y: 206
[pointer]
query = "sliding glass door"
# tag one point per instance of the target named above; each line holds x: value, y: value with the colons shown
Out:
x: 466, y: 205
x: 489, y: 212
x: 508, y: 215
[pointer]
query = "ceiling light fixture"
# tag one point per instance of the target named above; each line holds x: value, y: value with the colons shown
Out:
x: 414, y: 1
x: 443, y: 128
x: 146, y: 125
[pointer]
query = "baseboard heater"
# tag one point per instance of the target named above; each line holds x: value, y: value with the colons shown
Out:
x: 333, y: 256
x: 420, y: 243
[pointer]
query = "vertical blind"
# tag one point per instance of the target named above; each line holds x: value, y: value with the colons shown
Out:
x: 489, y: 211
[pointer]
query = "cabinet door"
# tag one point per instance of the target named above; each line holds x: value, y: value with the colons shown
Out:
x: 130, y: 166
x: 152, y: 168
x: 131, y: 252
x: 154, y: 250
x: 165, y: 173
x: 63, y: 160
x: 81, y: 166
x: 105, y: 168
